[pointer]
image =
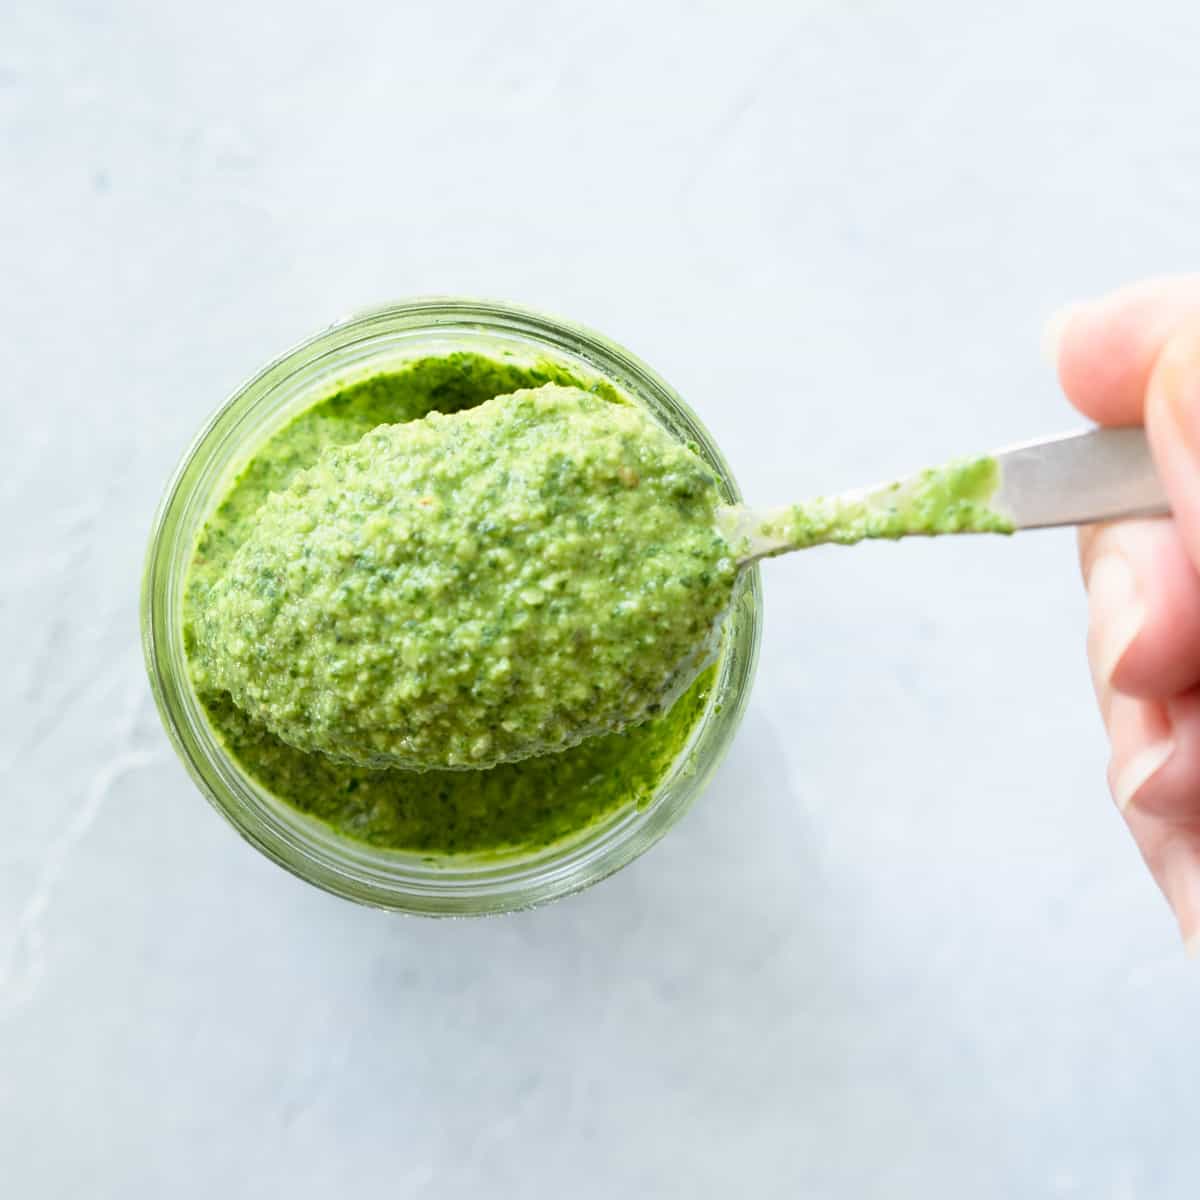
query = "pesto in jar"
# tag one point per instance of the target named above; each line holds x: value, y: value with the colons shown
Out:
x: 363, y: 794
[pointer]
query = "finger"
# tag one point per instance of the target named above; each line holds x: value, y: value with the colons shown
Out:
x: 1172, y: 852
x: 1155, y: 765
x: 1143, y: 609
x: 1173, y: 427
x: 1105, y: 349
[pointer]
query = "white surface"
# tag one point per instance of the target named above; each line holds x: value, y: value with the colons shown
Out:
x: 903, y: 947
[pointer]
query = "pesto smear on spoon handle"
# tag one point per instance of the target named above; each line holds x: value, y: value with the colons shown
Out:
x: 1071, y: 479
x: 955, y: 498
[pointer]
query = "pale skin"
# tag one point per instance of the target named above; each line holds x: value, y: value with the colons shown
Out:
x: 1133, y: 358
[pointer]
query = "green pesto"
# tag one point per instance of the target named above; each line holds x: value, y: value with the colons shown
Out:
x: 512, y: 806
x: 956, y: 498
x: 534, y: 802
x: 446, y: 384
x: 475, y: 587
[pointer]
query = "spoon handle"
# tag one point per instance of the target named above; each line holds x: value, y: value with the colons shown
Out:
x: 1080, y: 478
x: 1072, y: 479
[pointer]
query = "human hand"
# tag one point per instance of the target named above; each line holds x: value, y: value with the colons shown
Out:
x: 1134, y: 358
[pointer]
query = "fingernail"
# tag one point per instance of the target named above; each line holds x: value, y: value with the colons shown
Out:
x: 1139, y: 771
x: 1191, y: 946
x: 1181, y: 882
x: 1115, y: 612
x: 1053, y: 330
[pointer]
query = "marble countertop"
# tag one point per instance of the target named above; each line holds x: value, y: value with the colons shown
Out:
x: 903, y: 946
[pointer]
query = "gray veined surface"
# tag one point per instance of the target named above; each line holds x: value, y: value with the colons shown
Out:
x: 904, y: 934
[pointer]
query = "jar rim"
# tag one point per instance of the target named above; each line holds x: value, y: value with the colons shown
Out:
x: 400, y: 880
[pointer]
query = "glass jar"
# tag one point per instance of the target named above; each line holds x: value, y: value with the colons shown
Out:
x: 415, y: 882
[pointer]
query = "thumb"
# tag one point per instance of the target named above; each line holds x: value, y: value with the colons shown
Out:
x: 1173, y: 428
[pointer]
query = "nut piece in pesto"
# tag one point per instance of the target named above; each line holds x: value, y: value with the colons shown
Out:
x: 474, y: 588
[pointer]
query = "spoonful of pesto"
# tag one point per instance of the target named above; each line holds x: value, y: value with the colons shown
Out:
x: 475, y: 588
x: 506, y: 581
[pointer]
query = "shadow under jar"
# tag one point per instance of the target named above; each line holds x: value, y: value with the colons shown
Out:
x: 239, y: 782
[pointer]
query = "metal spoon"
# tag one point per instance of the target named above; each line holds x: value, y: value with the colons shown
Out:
x: 1072, y: 479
